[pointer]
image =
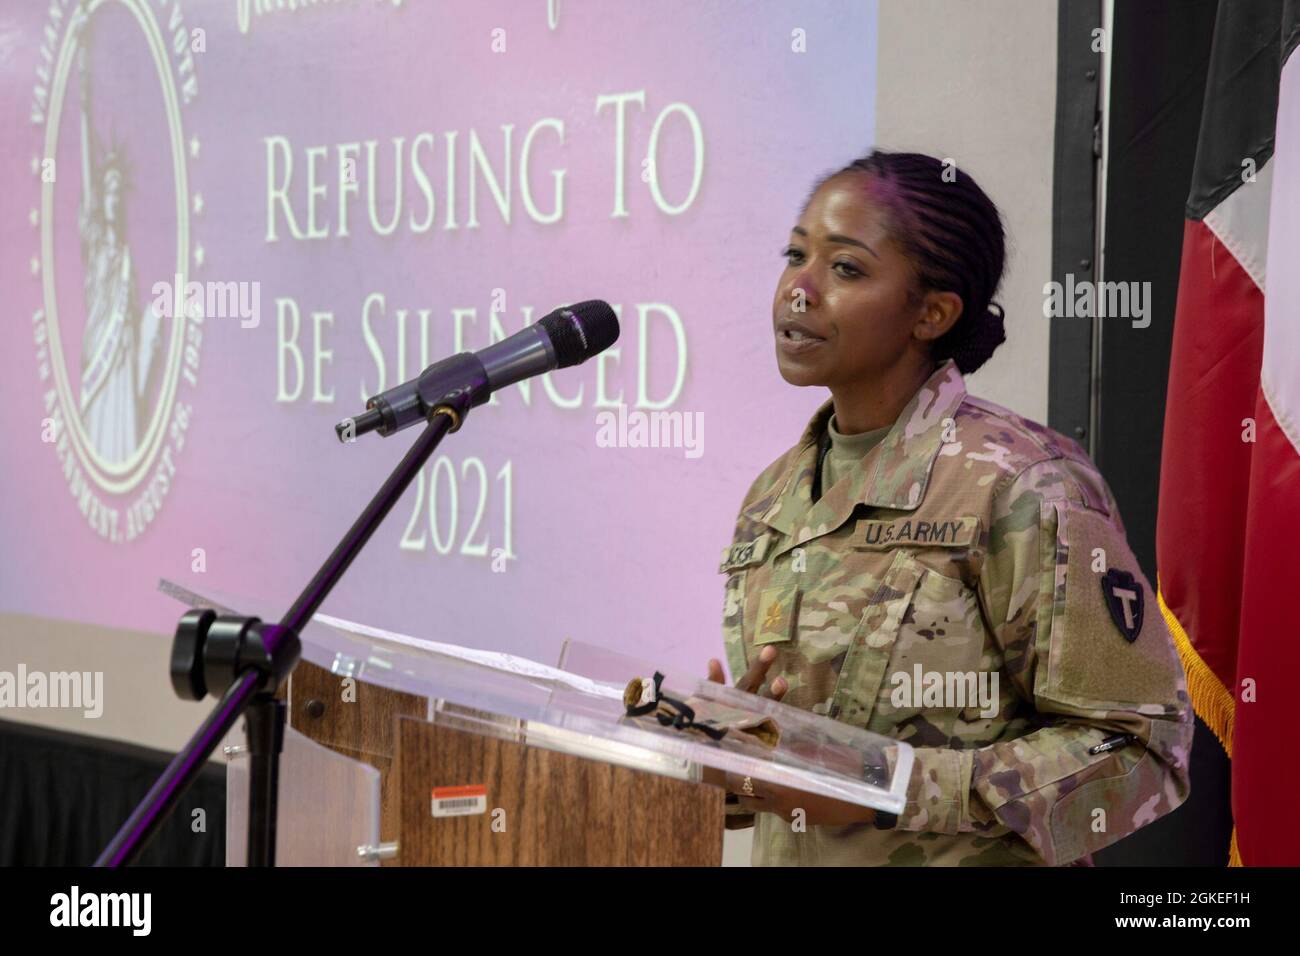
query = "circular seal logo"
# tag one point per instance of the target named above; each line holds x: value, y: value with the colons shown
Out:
x: 114, y: 215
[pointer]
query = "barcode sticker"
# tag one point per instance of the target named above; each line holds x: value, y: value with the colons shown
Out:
x: 459, y: 801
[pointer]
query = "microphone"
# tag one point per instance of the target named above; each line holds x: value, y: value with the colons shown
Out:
x: 567, y: 336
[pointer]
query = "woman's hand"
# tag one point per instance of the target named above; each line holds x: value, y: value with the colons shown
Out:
x: 752, y: 682
x: 758, y: 796
x: 787, y: 802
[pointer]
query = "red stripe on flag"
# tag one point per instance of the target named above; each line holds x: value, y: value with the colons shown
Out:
x: 1205, y: 464
x: 1265, y: 754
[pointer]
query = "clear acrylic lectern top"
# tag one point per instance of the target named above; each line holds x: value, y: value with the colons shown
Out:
x: 581, y: 707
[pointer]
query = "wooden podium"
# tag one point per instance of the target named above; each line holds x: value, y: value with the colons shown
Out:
x: 543, y: 807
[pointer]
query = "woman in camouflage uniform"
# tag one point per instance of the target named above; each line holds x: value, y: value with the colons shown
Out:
x: 919, y: 545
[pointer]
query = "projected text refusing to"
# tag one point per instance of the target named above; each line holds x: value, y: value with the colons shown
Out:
x: 315, y: 192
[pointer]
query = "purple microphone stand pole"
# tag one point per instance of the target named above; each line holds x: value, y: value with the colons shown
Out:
x: 243, y: 662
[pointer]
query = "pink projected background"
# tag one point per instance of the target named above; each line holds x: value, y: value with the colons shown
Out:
x: 227, y: 145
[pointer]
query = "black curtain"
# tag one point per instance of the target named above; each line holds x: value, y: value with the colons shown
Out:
x: 63, y: 797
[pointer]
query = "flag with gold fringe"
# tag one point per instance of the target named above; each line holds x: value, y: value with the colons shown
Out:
x: 1228, y: 567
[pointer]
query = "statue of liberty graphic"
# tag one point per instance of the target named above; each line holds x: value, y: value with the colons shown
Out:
x: 121, y: 342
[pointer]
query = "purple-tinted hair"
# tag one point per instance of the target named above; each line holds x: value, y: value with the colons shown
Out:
x: 953, y: 234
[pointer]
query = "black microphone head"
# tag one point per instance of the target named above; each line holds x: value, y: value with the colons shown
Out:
x: 578, y: 332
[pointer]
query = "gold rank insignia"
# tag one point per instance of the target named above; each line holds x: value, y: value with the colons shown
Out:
x: 776, y: 615
x: 773, y: 618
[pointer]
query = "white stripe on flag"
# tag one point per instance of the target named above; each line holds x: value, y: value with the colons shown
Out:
x: 1280, y: 374
x: 1241, y: 223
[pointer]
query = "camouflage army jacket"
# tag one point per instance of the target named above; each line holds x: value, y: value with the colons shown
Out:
x: 971, y: 548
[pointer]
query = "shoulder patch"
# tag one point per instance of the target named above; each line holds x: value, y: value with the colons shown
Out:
x: 1091, y: 665
x: 1124, y: 600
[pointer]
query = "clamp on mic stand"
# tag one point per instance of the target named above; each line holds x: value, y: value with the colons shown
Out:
x: 243, y: 662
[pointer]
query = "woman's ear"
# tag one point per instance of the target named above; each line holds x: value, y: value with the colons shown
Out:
x: 938, y: 312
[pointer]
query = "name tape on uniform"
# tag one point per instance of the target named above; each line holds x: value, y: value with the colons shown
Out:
x: 744, y: 554
x: 942, y: 533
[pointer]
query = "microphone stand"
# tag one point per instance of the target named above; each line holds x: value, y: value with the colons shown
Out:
x: 243, y: 662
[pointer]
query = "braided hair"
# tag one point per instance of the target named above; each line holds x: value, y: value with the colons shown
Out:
x: 953, y: 234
